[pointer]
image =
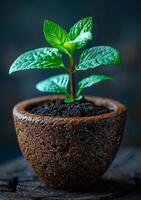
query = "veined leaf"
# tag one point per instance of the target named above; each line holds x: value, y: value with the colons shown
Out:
x: 96, y: 56
x: 82, y: 26
x: 42, y: 58
x: 56, y: 84
x: 80, y: 41
x: 55, y: 35
x: 80, y: 33
x: 91, y: 80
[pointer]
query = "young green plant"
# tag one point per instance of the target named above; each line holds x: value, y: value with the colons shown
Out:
x: 51, y: 58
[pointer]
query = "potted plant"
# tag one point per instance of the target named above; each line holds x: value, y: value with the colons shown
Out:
x: 69, y: 140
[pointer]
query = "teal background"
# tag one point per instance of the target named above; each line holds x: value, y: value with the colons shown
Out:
x: 116, y: 23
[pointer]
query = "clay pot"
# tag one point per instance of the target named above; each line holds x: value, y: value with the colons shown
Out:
x: 73, y: 152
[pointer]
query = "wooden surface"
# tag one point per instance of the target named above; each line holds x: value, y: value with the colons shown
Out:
x: 122, y: 181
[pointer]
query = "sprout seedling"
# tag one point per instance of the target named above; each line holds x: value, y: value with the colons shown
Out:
x: 68, y: 43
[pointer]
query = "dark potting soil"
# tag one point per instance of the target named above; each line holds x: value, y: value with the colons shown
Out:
x: 59, y: 108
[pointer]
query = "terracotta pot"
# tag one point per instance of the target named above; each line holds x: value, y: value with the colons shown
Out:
x: 73, y: 152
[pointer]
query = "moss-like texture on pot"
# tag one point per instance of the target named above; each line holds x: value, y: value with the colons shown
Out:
x: 69, y: 153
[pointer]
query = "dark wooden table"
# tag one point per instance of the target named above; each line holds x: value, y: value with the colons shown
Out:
x: 121, y: 181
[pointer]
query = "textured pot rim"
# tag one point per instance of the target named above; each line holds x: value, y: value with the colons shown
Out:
x: 19, y: 109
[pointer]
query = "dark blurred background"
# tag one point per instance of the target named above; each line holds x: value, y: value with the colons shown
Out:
x: 116, y: 23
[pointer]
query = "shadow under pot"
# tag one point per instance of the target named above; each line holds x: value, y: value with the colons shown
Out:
x: 72, y: 152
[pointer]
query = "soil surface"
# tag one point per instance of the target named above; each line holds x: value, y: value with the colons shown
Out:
x: 59, y: 108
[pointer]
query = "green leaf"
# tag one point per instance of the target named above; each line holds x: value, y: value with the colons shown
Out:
x: 96, y: 56
x: 55, y: 35
x: 69, y: 48
x: 42, y: 58
x: 56, y: 84
x: 71, y: 100
x: 91, y: 80
x: 80, y: 41
x: 80, y: 33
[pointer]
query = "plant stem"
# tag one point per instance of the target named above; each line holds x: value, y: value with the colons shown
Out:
x: 72, y: 78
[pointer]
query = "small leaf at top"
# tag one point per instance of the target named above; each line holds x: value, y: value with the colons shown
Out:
x: 56, y: 84
x: 80, y: 41
x: 55, y: 35
x: 42, y: 58
x: 80, y: 33
x: 96, y: 56
x: 91, y: 80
